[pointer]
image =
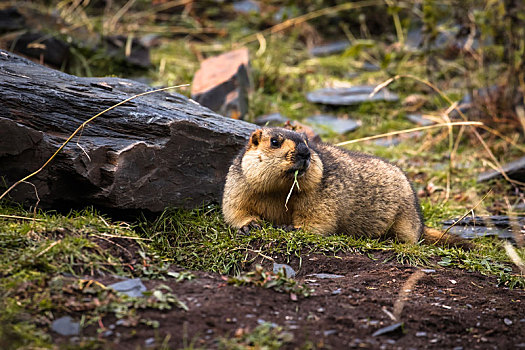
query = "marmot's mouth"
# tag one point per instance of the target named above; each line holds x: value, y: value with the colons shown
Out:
x: 300, y: 166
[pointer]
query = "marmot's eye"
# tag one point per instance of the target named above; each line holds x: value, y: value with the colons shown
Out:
x: 275, y: 142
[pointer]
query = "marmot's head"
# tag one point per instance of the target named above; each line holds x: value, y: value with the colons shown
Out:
x: 274, y: 155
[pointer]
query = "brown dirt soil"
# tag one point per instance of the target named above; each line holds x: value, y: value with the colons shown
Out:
x: 442, y: 309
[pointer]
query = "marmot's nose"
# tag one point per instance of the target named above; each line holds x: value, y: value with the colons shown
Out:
x: 302, y: 151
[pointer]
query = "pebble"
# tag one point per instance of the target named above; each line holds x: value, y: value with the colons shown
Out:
x: 507, y: 321
x: 421, y: 334
x: 149, y: 341
x: 329, y: 332
x: 337, y: 125
x: 66, y: 326
x: 329, y: 49
x: 132, y: 287
x: 288, y: 270
x: 350, y: 95
x: 396, y: 327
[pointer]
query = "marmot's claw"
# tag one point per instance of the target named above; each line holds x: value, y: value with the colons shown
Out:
x: 247, y: 228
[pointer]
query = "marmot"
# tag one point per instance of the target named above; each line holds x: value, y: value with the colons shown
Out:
x: 338, y: 192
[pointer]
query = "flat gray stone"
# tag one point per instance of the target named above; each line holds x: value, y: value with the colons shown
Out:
x: 65, y: 326
x: 289, y: 272
x: 329, y: 49
x: 132, y: 287
x: 395, y: 328
x: 350, y: 95
x: 337, y: 125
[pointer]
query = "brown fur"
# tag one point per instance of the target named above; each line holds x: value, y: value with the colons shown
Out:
x: 339, y: 192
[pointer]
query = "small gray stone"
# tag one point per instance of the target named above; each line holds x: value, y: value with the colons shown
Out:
x: 329, y: 332
x: 507, y: 321
x: 428, y: 270
x: 338, y: 125
x: 329, y: 49
x: 395, y: 328
x: 132, y: 287
x: 350, y: 95
x: 337, y: 291
x: 66, y: 326
x: 149, y: 342
x: 288, y: 271
x: 325, y: 275
x: 246, y: 6
x: 421, y: 334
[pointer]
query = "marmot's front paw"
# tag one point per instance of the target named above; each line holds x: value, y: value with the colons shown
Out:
x: 253, y: 225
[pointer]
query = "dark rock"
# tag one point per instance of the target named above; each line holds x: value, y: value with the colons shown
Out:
x: 329, y: 49
x: 247, y: 7
x: 155, y: 151
x: 132, y: 287
x: 338, y: 125
x: 349, y: 96
x: 139, y: 55
x: 274, y: 119
x: 497, y: 225
x: 51, y: 50
x: 222, y: 83
x: 514, y: 170
x: 11, y: 20
x: 325, y: 275
x: 396, y: 328
x: 289, y: 272
x: 65, y: 326
x: 420, y: 120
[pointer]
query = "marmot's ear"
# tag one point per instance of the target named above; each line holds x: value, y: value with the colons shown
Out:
x: 255, y: 139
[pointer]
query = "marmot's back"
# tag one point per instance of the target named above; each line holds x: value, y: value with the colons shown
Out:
x: 339, y: 191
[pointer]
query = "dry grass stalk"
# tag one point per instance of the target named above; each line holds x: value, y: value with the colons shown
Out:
x: 17, y: 217
x: 471, y: 123
x: 405, y: 291
x: 79, y: 129
x: 514, y: 257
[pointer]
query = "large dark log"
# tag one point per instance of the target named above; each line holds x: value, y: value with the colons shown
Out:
x: 155, y: 151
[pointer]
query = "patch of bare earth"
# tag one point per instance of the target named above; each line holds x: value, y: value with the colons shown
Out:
x: 440, y: 309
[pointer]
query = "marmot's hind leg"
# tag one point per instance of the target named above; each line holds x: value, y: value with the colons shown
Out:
x: 408, y: 226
